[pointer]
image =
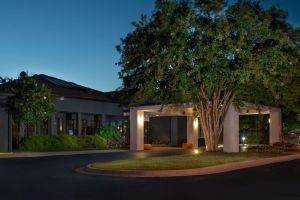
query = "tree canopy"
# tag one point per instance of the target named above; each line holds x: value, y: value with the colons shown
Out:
x: 211, y: 53
x: 31, y: 101
x: 184, y: 45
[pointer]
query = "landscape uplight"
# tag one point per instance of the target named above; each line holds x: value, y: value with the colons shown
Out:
x: 196, y: 151
x: 243, y: 139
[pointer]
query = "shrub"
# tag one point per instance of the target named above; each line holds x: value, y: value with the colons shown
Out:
x: 264, y: 149
x: 109, y: 133
x: 62, y: 143
x: 256, y: 138
x: 92, y: 142
x: 35, y: 143
x: 117, y: 143
x: 276, y: 147
x: 286, y: 146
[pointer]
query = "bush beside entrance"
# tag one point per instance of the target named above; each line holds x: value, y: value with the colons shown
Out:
x: 62, y: 143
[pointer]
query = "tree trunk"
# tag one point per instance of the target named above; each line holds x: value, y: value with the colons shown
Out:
x: 16, y: 133
x: 20, y: 132
x: 211, y: 111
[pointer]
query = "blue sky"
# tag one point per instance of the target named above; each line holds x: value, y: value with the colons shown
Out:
x: 75, y: 39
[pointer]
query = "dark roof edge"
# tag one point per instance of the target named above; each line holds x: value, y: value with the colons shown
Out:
x: 75, y: 84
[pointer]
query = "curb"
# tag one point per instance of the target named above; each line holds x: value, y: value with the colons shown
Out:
x: 61, y: 153
x: 88, y: 170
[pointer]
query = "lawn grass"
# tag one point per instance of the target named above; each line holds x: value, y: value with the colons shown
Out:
x: 187, y: 161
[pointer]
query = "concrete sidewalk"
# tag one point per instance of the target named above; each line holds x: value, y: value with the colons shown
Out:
x: 189, y: 172
x: 58, y: 153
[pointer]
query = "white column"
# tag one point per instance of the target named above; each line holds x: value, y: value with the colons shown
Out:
x: 136, y: 129
x: 192, y: 131
x: 275, y: 127
x: 231, y: 130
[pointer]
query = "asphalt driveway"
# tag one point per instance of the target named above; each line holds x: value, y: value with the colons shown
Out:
x: 54, y: 178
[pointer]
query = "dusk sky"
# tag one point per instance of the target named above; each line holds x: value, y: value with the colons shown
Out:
x: 75, y: 39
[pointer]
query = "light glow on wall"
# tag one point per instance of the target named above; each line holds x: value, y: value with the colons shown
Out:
x: 269, y: 120
x: 140, y: 119
x: 196, y: 123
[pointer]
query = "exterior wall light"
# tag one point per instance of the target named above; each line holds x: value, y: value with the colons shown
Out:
x: 269, y: 120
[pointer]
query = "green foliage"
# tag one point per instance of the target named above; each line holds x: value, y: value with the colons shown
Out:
x: 177, y: 162
x: 291, y: 122
x: 92, y: 142
x: 62, y: 143
x: 32, y: 101
x: 255, y: 128
x: 211, y: 55
x: 208, y: 5
x: 109, y: 133
x: 277, y: 147
x: 242, y: 48
x: 254, y: 138
x: 264, y: 149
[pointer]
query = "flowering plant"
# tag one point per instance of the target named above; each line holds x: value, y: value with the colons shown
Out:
x: 121, y: 142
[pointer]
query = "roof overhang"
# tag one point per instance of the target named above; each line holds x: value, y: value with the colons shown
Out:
x: 187, y: 109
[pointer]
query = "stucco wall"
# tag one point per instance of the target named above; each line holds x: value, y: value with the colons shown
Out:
x: 88, y: 106
x: 182, y: 129
x: 161, y: 128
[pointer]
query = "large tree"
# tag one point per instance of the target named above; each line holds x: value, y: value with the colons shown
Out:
x: 31, y: 101
x: 211, y: 54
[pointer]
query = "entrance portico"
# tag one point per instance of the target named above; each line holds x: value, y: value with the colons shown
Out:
x: 230, y: 127
x: 139, y: 114
x: 231, y: 124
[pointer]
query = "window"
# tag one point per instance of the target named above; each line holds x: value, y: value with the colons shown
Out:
x: 71, y: 123
x: 60, y: 125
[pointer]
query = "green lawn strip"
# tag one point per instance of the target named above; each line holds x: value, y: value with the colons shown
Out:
x: 187, y: 161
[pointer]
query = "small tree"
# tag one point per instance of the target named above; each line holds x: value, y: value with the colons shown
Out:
x: 211, y: 54
x: 31, y: 102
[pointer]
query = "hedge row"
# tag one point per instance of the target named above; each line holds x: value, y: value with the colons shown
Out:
x: 62, y: 143
x: 275, y: 148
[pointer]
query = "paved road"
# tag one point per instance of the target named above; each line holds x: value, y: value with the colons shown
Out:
x: 54, y: 178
